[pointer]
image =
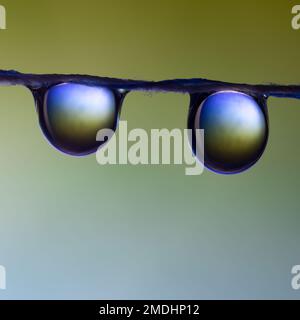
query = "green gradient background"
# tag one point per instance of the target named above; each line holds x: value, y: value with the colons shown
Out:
x: 70, y: 228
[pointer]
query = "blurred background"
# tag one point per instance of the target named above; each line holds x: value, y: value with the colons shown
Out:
x: 72, y: 229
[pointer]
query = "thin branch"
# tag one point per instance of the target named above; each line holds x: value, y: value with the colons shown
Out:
x: 191, y: 86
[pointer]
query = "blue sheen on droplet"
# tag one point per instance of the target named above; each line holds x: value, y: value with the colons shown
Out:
x: 72, y: 114
x: 235, y: 131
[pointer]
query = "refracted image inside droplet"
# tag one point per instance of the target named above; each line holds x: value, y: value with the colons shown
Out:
x: 235, y: 131
x: 73, y: 113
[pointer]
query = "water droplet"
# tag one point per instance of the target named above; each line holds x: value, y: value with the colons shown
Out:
x: 235, y: 130
x: 71, y: 115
